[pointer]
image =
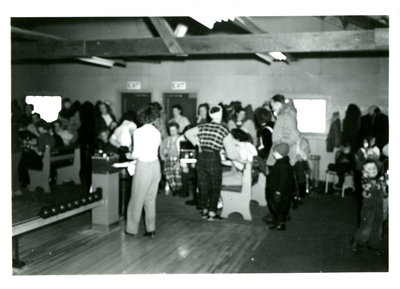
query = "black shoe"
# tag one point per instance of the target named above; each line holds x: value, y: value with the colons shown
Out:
x: 130, y: 234
x: 191, y: 203
x: 268, y: 219
x: 151, y: 235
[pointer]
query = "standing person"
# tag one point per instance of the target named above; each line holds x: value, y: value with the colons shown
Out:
x: 263, y: 121
x: 183, y: 121
x: 104, y: 118
x: 369, y: 232
x: 280, y: 187
x: 210, y: 139
x: 243, y: 120
x: 170, y: 155
x: 121, y: 138
x: 202, y: 114
x: 285, y: 130
x: 147, y: 140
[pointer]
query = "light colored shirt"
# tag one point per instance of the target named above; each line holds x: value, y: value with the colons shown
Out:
x: 183, y: 122
x: 107, y: 118
x: 147, y: 140
x: 122, y: 135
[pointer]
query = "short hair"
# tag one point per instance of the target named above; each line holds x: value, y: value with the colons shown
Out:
x: 129, y: 115
x: 173, y: 124
x: 205, y: 104
x: 278, y: 98
x: 147, y: 114
x: 156, y: 105
x: 262, y: 115
x: 178, y: 106
x: 241, y: 135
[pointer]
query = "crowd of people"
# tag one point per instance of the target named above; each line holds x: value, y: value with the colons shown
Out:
x: 223, y: 139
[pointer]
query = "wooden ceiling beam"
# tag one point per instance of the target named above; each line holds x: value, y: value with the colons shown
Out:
x: 167, y: 36
x: 247, y: 24
x: 304, y: 42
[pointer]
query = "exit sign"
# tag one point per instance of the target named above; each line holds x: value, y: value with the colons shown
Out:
x: 134, y: 85
x: 178, y: 85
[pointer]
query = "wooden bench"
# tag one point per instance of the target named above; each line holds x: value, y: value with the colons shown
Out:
x: 258, y: 190
x: 236, y: 199
x: 41, y: 178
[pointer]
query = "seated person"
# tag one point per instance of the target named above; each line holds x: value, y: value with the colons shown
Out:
x: 344, y: 163
x: 61, y: 131
x: 103, y: 146
x: 31, y: 157
x: 246, y: 152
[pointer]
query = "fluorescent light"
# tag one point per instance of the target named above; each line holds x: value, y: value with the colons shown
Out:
x: 278, y: 55
x: 98, y: 61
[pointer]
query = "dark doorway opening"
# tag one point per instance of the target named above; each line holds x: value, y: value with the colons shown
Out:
x: 134, y: 100
x: 187, y: 101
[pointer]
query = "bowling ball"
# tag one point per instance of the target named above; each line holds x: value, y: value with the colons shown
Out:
x: 76, y: 203
x: 83, y: 201
x: 99, y: 195
x: 90, y: 198
x: 53, y: 210
x: 69, y: 205
x: 44, y: 212
x: 62, y: 207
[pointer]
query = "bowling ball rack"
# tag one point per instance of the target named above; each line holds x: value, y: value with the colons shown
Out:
x: 21, y: 228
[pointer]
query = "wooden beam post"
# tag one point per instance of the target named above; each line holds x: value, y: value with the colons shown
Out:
x: 304, y: 42
x: 167, y: 36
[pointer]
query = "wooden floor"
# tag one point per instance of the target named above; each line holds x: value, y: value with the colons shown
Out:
x: 316, y: 240
x: 185, y: 243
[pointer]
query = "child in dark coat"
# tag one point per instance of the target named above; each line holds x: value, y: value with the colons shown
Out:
x: 280, y: 186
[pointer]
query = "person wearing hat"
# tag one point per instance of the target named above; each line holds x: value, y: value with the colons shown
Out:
x: 280, y: 186
x: 210, y: 138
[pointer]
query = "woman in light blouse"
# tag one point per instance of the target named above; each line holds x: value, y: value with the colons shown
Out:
x: 147, y: 175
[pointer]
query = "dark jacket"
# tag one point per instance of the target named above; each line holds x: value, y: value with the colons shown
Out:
x: 334, y: 139
x: 264, y: 135
x: 281, y: 178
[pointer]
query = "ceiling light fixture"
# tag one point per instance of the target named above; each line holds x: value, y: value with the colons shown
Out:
x: 98, y: 61
x: 278, y: 56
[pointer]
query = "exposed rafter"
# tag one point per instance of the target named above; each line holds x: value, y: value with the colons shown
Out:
x: 34, y: 35
x: 247, y: 24
x: 304, y: 42
x: 167, y: 36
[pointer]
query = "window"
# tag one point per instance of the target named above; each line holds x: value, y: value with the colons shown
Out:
x: 311, y: 115
x: 47, y: 106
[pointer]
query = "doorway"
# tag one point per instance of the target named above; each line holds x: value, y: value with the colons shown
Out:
x: 134, y: 100
x: 187, y: 101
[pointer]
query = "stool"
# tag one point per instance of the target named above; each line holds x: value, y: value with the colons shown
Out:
x: 347, y: 184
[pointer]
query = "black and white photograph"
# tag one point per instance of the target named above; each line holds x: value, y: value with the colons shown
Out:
x: 192, y: 146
